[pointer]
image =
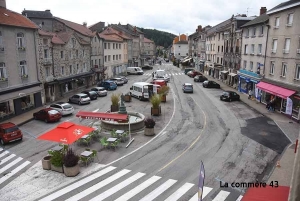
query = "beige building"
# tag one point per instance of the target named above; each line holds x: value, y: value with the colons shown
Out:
x: 97, y: 57
x: 282, y: 66
x: 20, y: 88
x: 150, y: 48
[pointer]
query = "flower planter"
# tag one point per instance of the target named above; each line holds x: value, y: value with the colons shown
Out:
x: 46, y: 163
x: 164, y: 98
x: 149, y: 131
x: 71, y: 171
x: 127, y: 98
x: 57, y: 169
x: 114, y: 108
x: 155, y: 111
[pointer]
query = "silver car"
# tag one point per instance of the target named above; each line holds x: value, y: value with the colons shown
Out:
x: 80, y: 99
x: 63, y: 108
x: 187, y: 87
x: 100, y: 91
x: 118, y: 81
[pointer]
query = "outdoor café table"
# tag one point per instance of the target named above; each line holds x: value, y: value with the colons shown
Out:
x: 111, y: 140
x: 57, y: 148
x: 119, y: 132
x: 85, y: 136
x: 87, y: 155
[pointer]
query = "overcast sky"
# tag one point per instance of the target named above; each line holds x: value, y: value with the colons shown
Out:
x: 166, y: 15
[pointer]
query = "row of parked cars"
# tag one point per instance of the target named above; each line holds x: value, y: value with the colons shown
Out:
x: 56, y: 110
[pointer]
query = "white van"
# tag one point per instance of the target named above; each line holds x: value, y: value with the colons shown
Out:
x: 141, y: 90
x: 134, y: 71
x: 161, y: 75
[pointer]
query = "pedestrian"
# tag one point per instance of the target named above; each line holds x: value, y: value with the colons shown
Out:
x: 260, y: 96
x: 152, y: 74
x: 250, y: 94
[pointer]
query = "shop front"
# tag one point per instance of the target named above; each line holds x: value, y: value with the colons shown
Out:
x: 16, y: 101
x: 286, y: 101
x: 232, y: 80
x: 248, y: 80
x: 224, y: 75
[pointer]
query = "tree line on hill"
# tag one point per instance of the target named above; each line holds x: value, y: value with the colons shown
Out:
x: 160, y: 38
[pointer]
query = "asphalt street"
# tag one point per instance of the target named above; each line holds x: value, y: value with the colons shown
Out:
x: 235, y: 143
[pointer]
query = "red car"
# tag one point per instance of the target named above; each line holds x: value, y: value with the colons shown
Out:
x: 47, y: 115
x: 9, y: 132
x: 193, y: 73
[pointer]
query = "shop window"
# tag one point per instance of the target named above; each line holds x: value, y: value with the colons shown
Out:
x: 3, y: 75
x: 27, y: 102
x: 80, y: 82
x: 297, y: 76
x: 4, y: 109
x: 244, y: 85
x: 23, y: 69
x: 68, y: 87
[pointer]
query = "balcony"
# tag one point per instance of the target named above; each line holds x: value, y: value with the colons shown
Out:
x: 24, y: 76
x: 47, y: 61
x: 3, y: 79
x: 21, y: 48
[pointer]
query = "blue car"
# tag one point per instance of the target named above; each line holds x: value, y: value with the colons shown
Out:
x: 108, y: 85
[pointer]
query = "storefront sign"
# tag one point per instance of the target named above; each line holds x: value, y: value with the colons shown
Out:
x: 289, y: 106
x: 249, y: 73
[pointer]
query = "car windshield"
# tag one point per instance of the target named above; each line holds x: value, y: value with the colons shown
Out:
x: 67, y: 106
x: 11, y: 129
x: 225, y: 93
x: 53, y: 112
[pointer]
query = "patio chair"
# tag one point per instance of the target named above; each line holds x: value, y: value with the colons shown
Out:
x: 114, y: 134
x: 124, y: 136
x: 104, y: 142
x: 88, y: 149
x: 84, y: 160
x: 86, y: 140
x: 95, y: 154
x: 115, y: 144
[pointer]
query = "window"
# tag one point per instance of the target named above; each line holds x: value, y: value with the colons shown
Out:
x: 84, y: 67
x: 71, y: 54
x: 277, y: 19
x: 113, y: 46
x: 251, y: 65
x: 119, y: 46
x: 104, y: 45
x: 76, y: 53
x: 71, y: 69
x: 254, y: 31
x: 47, y: 71
x: 274, y: 48
x: 46, y: 53
x: 73, y: 42
x: 297, y: 76
x: 221, y: 60
x: 95, y: 39
x: 290, y: 19
x: 272, y: 68
x: 259, y: 49
x: 247, y: 33
x: 287, y: 45
x: 261, y: 30
x: 124, y: 46
x: 283, y: 69
x: 77, y: 68
x: 83, y: 53
x: 108, y: 57
x: 245, y: 64
x: 113, y: 57
x: 105, y: 59
x: 45, y: 41
x: 23, y: 69
x: 62, y: 70
x: 252, y: 48
x: 61, y: 54
x: 2, y: 71
x: 20, y: 40
x: 119, y: 56
x: 246, y: 49
x: 108, y: 45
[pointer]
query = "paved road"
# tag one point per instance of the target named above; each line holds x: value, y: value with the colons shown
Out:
x: 231, y: 139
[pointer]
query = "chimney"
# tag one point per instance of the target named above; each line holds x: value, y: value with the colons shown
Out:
x: 263, y: 10
x: 84, y: 24
x: 3, y: 3
x: 199, y: 28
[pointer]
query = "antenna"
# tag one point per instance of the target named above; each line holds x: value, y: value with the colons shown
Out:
x: 248, y: 10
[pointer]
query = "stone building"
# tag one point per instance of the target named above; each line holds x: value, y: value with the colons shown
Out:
x: 97, y: 57
x: 20, y: 87
x: 149, y: 48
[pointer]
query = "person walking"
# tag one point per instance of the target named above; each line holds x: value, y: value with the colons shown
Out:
x: 250, y: 94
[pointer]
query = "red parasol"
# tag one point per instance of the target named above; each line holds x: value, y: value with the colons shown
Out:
x: 66, y: 133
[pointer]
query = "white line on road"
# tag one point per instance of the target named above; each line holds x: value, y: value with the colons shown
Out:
x: 180, y: 192
x: 162, y: 188
x: 9, y: 165
x: 14, y: 171
x: 222, y: 195
x: 4, y: 153
x: 163, y: 133
x: 96, y: 110
x: 239, y: 198
x: 206, y: 190
x: 7, y: 158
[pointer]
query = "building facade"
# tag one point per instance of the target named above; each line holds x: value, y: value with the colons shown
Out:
x: 20, y: 87
x: 282, y: 65
x: 97, y: 58
x: 149, y: 48
x: 180, y: 46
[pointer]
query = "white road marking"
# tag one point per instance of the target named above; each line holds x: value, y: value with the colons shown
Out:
x: 9, y: 165
x: 222, y: 195
x: 4, y: 153
x: 206, y: 190
x: 239, y: 198
x: 99, y: 185
x: 118, y: 187
x: 175, y: 73
x: 96, y: 110
x: 77, y: 184
x: 14, y: 171
x: 163, y: 133
x: 138, y: 189
x: 180, y: 192
x: 7, y: 158
x: 1, y: 149
x: 162, y: 188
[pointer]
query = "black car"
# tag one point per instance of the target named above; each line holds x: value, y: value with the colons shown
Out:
x: 210, y: 84
x: 229, y: 96
x: 147, y: 67
x: 92, y: 94
x: 199, y: 78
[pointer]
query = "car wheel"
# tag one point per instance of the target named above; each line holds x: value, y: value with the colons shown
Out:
x: 79, y: 103
x: 229, y: 99
x: 220, y: 98
x: 46, y: 121
x: 69, y: 101
x: 2, y: 142
x: 140, y: 98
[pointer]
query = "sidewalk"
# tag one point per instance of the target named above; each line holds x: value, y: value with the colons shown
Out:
x: 282, y: 173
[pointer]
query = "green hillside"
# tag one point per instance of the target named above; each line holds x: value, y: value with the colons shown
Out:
x: 160, y: 38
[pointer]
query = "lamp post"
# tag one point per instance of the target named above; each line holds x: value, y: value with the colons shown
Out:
x: 130, y: 139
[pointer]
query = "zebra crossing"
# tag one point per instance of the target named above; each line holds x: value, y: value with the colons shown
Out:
x: 120, y: 186
x: 170, y: 74
x: 10, y: 165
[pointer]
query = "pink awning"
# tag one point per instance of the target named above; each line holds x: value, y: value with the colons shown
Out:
x: 275, y: 90
x: 101, y: 116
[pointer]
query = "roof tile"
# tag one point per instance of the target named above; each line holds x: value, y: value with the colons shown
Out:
x: 77, y: 27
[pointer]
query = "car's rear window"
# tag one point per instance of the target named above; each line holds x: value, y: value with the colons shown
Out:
x: 11, y: 129
x: 189, y: 86
x: 53, y: 112
x: 67, y: 106
x: 85, y: 96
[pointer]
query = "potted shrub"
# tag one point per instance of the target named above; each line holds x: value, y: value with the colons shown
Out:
x: 149, y: 126
x: 115, y: 98
x: 57, y: 161
x: 70, y: 160
x: 155, y: 101
x: 163, y: 91
x: 127, y: 97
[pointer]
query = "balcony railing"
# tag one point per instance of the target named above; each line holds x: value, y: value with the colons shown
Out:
x: 47, y: 61
x: 24, y: 76
x: 2, y: 79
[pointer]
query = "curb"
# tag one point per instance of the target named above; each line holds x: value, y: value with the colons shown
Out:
x: 24, y: 122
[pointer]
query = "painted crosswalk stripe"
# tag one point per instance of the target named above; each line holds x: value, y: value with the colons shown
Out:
x: 162, y: 188
x: 14, y: 171
x: 138, y: 189
x: 118, y: 187
x: 239, y: 198
x: 1, y: 149
x: 206, y: 191
x: 10, y: 165
x: 180, y: 192
x: 222, y: 195
x: 77, y: 184
x: 7, y: 158
x: 175, y: 73
x: 4, y: 153
x: 98, y: 185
